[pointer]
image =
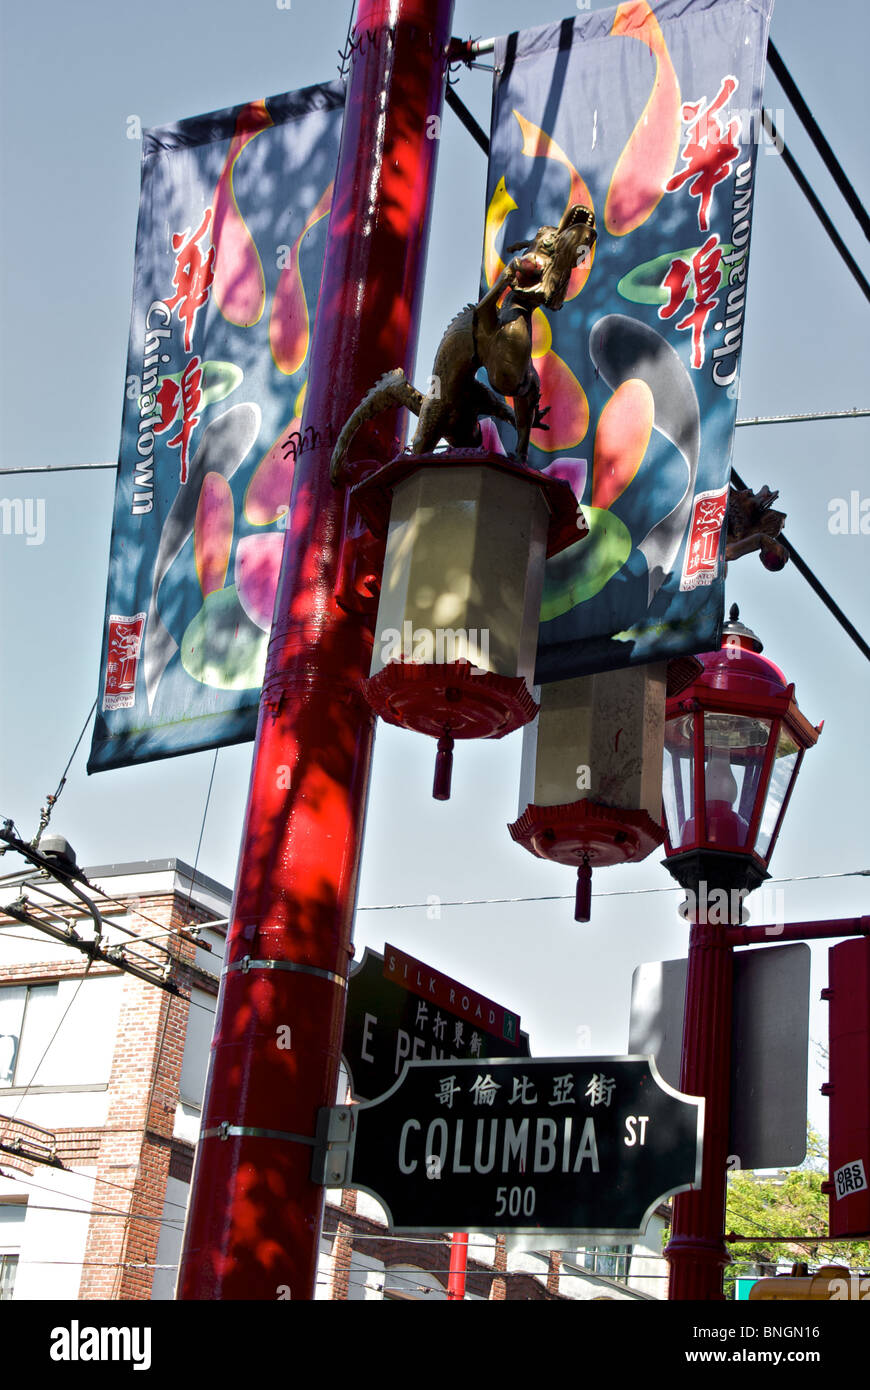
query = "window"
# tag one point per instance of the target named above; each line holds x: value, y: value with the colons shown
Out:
x: 12, y: 1215
x: 38, y: 1049
x: 610, y: 1260
x: 8, y: 1268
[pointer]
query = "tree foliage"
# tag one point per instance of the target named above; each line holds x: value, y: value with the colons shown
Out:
x: 785, y: 1204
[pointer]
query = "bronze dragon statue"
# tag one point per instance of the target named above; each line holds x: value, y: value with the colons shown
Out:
x: 491, y: 334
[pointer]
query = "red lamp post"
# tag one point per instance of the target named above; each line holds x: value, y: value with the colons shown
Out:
x: 734, y: 743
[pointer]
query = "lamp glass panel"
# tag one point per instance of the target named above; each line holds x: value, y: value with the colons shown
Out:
x: 734, y: 748
x: 781, y: 774
x: 678, y: 779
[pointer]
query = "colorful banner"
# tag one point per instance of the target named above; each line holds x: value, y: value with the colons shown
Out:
x: 651, y: 118
x: 229, y: 249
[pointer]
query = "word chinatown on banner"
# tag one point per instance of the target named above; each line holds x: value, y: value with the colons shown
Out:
x: 229, y: 250
x: 649, y: 115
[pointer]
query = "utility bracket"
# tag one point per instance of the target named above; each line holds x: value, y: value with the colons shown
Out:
x: 332, y: 1160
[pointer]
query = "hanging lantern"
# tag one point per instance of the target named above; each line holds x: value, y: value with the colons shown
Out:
x: 734, y: 743
x: 591, y: 772
x: 457, y: 625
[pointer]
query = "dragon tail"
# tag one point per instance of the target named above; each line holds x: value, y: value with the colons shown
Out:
x: 391, y: 389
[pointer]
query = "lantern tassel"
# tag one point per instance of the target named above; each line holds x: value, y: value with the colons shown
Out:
x: 443, y: 768
x: 583, y: 903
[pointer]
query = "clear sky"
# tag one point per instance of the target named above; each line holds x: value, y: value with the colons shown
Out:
x: 72, y: 76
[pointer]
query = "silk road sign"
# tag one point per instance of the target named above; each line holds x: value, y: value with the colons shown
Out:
x: 400, y: 1010
x: 587, y: 1144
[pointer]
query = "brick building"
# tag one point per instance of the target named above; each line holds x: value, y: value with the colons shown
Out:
x: 101, y: 1074
x: 101, y: 1080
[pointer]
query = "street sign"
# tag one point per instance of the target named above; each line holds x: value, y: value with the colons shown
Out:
x: 770, y: 1032
x: 400, y: 1010
x: 583, y: 1145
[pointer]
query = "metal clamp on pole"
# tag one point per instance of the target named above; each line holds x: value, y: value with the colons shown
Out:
x: 332, y: 1161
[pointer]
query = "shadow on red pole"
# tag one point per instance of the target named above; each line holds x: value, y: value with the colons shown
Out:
x: 254, y: 1219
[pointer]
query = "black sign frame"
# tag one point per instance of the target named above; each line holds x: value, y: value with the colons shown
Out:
x: 388, y: 1127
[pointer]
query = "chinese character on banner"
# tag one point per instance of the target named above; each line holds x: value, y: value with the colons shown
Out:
x: 706, y: 272
x: 191, y: 399
x: 701, y: 564
x: 193, y: 276
x: 710, y: 151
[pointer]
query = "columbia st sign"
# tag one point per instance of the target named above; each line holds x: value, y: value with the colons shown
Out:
x: 587, y: 1144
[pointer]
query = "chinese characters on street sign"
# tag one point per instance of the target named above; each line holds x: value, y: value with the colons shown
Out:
x: 400, y: 1010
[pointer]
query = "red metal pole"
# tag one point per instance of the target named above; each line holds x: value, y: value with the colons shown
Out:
x: 254, y: 1219
x: 458, y: 1264
x: 799, y: 931
x: 697, y: 1251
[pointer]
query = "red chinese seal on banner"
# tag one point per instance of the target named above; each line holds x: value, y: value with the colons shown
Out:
x: 125, y: 644
x: 701, y: 564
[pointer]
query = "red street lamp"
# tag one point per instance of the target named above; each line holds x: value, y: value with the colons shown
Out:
x: 734, y: 743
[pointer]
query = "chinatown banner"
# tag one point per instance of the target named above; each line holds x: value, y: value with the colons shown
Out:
x: 650, y: 116
x: 229, y: 250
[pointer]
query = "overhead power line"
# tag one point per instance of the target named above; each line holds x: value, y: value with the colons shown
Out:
x: 461, y: 110
x: 803, y: 184
x: 854, y: 414
x: 60, y: 468
x: 831, y: 162
x: 564, y: 897
x: 50, y: 801
x: 815, y: 584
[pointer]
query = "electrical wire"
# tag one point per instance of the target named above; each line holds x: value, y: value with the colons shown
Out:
x: 613, y: 893
x: 50, y: 801
x: 760, y: 420
x: 22, y: 1098
x: 857, y: 412
x: 202, y: 827
x: 103, y: 1182
x: 810, y: 124
x: 805, y: 187
x: 815, y: 583
x: 60, y: 468
x: 459, y: 109
x: 106, y: 897
x: 176, y: 1223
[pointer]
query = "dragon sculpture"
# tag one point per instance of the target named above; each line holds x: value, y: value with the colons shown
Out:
x: 491, y: 334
